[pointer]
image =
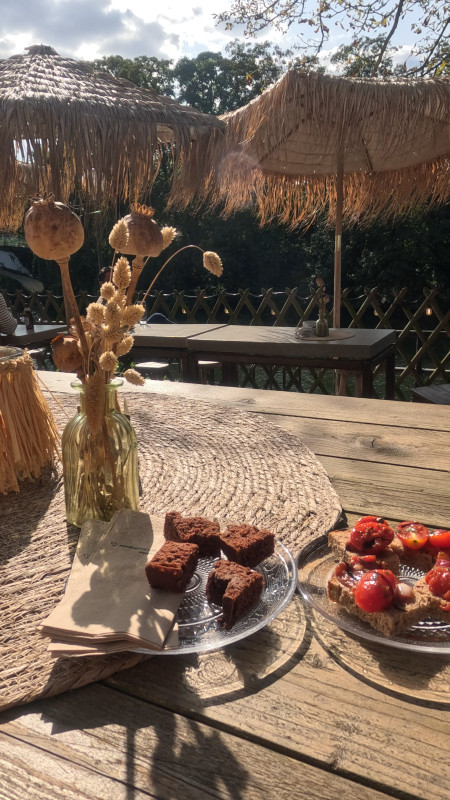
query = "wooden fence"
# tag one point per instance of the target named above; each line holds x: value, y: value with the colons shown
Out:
x: 422, y: 325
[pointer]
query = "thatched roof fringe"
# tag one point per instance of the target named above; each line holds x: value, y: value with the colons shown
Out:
x: 282, y: 149
x: 297, y: 202
x: 74, y: 128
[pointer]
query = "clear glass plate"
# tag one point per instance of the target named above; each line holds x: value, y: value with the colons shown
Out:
x: 199, y: 628
x: 316, y: 562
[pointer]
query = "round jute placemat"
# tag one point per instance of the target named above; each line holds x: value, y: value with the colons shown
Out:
x: 194, y: 457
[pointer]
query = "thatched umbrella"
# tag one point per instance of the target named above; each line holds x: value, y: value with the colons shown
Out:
x: 64, y: 126
x: 355, y: 148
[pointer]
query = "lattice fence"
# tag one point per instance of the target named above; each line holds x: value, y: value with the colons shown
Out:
x: 423, y: 328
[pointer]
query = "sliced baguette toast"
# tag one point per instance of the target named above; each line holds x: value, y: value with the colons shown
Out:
x: 339, y: 543
x: 394, y: 620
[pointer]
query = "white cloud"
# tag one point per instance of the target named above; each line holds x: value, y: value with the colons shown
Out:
x: 93, y: 28
x: 130, y: 28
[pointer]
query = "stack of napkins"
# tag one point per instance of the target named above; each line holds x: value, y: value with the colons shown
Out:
x: 108, y: 605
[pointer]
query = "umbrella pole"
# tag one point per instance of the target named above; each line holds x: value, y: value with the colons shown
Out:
x: 338, y: 242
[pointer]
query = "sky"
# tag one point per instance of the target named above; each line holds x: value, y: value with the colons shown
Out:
x: 89, y: 29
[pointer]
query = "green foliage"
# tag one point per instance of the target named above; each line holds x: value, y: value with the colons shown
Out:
x: 378, y: 20
x: 412, y: 252
x: 211, y: 82
x: 361, y: 59
x: 216, y: 84
x: 148, y: 72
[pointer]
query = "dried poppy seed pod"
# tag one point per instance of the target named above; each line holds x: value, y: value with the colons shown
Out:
x: 52, y: 230
x: 65, y: 353
x: 144, y: 234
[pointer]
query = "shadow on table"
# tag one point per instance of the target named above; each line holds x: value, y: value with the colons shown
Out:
x: 416, y: 677
x: 224, y: 675
x: 21, y: 513
x: 131, y: 748
x: 139, y: 743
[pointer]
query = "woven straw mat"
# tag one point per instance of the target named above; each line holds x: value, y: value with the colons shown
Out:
x: 194, y: 457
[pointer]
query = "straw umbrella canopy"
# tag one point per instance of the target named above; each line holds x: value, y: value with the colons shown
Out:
x: 358, y: 149
x: 64, y: 126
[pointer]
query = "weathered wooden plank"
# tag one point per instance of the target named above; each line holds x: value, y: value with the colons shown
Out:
x: 35, y: 766
x: 345, y: 409
x: 368, y: 442
x: 104, y: 743
x: 391, y: 491
x: 366, y: 727
x: 375, y: 412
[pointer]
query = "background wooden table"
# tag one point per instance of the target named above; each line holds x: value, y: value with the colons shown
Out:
x: 160, y: 340
x: 40, y: 334
x: 358, y: 350
x: 300, y: 709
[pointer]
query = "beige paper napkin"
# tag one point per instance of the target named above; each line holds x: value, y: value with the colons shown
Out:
x: 108, y: 598
x: 59, y: 647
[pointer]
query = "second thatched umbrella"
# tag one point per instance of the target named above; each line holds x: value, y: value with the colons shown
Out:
x: 316, y: 144
x: 66, y: 127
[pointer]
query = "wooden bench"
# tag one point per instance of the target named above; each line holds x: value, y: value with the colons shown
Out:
x: 152, y: 369
x: 438, y: 393
x: 206, y: 370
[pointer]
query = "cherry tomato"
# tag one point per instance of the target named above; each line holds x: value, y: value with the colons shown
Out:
x: 375, y: 590
x: 412, y: 534
x: 438, y: 580
x: 439, y: 538
x: 344, y: 576
x: 371, y: 537
x: 362, y: 520
x: 443, y: 559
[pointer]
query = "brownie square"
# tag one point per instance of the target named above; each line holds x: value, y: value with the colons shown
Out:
x: 197, y: 530
x: 236, y: 588
x: 246, y: 544
x: 173, y: 566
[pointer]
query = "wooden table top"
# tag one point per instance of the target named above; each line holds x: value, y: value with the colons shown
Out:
x: 169, y: 335
x: 41, y: 334
x: 298, y: 710
x: 281, y: 341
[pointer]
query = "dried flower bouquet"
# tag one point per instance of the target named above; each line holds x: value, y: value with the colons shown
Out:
x: 95, y: 461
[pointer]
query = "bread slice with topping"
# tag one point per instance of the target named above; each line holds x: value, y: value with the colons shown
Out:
x: 421, y: 558
x: 394, y: 620
x: 339, y: 543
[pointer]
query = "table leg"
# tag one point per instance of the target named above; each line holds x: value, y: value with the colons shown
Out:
x: 229, y: 373
x: 367, y: 380
x: 390, y: 376
x: 190, y: 372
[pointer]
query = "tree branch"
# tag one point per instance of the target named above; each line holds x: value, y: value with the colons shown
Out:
x: 388, y: 38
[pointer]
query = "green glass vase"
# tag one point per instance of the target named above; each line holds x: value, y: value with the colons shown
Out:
x: 100, y: 471
x: 322, y: 327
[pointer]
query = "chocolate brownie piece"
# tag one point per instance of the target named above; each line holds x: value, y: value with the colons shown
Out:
x: 197, y: 530
x: 246, y: 544
x: 236, y: 588
x: 173, y: 566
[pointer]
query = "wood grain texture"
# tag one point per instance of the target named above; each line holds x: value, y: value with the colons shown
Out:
x: 291, y: 404
x: 315, y: 708
x: 382, y: 444
x: 388, y: 490
x: 122, y: 748
x: 299, y: 705
x: 322, y: 407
